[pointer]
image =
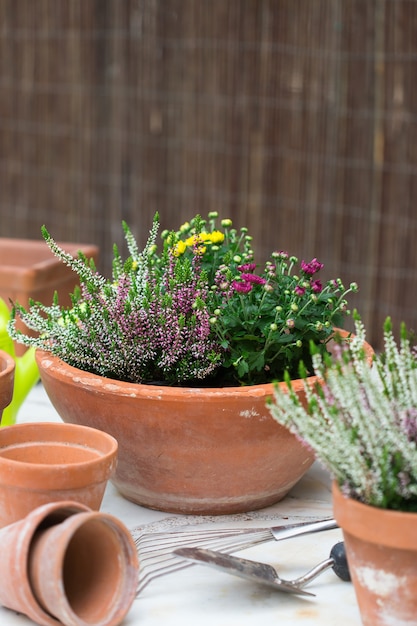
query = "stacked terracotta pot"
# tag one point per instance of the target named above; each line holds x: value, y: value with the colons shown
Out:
x: 63, y: 561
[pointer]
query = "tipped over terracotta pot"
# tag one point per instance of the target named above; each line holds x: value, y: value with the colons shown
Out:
x: 65, y: 564
x: 48, y: 462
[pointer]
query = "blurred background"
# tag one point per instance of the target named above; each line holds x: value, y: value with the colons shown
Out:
x: 295, y: 118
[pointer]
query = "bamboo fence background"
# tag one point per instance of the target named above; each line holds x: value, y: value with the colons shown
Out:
x: 296, y: 118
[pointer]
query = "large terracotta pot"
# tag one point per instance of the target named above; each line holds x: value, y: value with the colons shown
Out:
x: 381, y: 548
x: 184, y: 450
x: 45, y: 462
x: 7, y: 367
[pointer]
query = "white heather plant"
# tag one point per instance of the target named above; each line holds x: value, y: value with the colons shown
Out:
x: 362, y: 422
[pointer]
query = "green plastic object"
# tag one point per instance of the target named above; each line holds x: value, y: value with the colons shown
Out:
x: 26, y: 371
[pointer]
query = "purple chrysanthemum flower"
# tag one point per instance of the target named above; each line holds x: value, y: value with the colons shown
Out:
x: 247, y: 267
x: 241, y: 287
x: 299, y: 291
x: 253, y: 279
x: 316, y: 286
x: 311, y: 268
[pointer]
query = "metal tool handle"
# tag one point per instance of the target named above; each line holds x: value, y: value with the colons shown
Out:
x: 304, y: 528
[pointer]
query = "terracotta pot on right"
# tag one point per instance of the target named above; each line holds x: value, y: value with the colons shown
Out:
x: 381, y: 548
x: 7, y: 367
x: 65, y: 564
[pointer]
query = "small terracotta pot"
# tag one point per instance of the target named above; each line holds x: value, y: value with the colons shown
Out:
x: 381, y: 548
x: 64, y: 564
x: 7, y: 367
x: 16, y: 591
x: 48, y: 462
x: 185, y: 450
x: 93, y: 559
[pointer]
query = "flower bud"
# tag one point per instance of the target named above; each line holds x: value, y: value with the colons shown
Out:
x: 213, y: 214
x: 273, y: 327
x: 280, y: 255
x: 290, y: 323
x: 294, y: 307
x: 226, y: 223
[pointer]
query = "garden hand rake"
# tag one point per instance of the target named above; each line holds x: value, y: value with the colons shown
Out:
x: 155, y: 550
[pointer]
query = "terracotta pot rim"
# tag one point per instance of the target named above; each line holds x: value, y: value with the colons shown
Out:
x: 63, y: 370
x: 373, y: 523
x: 11, y: 470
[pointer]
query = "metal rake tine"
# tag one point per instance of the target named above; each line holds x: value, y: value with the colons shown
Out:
x: 149, y: 541
x: 148, y: 553
x: 160, y: 561
x: 163, y: 560
x: 149, y: 577
x: 165, y: 563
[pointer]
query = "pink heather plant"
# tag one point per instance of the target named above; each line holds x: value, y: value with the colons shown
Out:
x: 148, y: 324
x: 198, y: 312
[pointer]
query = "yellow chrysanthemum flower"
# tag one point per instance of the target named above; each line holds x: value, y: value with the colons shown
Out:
x: 179, y: 248
x: 193, y: 240
x: 217, y: 236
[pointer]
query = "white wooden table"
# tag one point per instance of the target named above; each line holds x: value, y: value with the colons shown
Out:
x: 200, y: 595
